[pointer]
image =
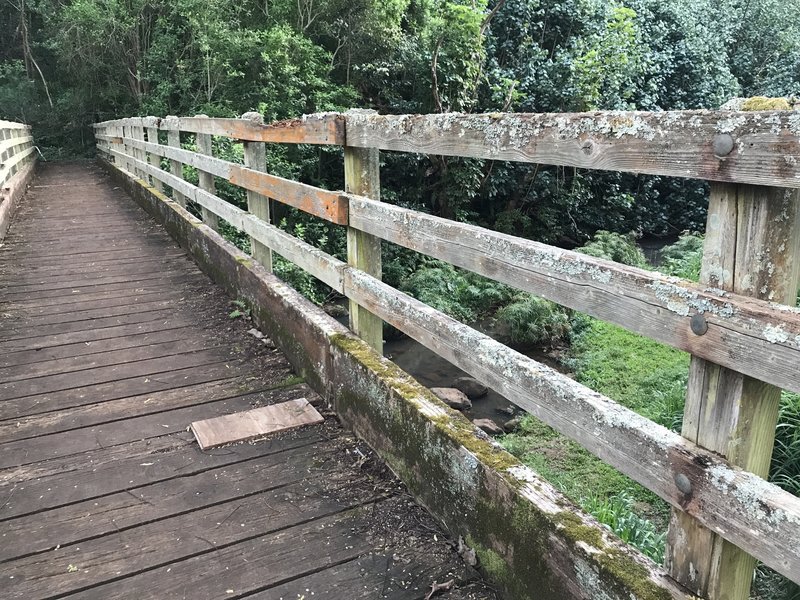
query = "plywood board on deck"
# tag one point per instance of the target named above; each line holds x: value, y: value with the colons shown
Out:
x: 251, y: 424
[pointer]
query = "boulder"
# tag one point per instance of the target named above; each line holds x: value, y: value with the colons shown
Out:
x: 453, y: 397
x: 488, y: 426
x: 512, y: 424
x: 471, y: 387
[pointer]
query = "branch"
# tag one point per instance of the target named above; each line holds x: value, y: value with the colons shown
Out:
x: 434, y: 66
x: 491, y: 15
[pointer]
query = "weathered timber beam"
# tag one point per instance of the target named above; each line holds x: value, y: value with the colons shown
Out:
x: 7, y: 166
x: 747, y: 147
x: 13, y: 125
x: 755, y: 515
x: 758, y: 338
x: 331, y: 206
x: 318, y: 263
x: 321, y: 128
x: 210, y: 202
x: 14, y: 142
x: 321, y: 265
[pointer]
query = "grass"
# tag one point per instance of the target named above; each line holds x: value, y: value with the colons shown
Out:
x: 641, y: 374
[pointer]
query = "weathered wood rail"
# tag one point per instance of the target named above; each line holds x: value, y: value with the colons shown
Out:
x: 17, y: 159
x: 738, y: 321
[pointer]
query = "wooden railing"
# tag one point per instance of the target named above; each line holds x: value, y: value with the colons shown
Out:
x: 738, y: 323
x: 16, y: 149
x: 17, y: 154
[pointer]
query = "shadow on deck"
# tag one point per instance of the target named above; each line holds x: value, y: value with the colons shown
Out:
x: 111, y: 343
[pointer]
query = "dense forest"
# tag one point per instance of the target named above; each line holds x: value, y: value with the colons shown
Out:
x: 66, y: 64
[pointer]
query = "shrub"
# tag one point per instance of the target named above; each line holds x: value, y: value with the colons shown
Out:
x: 438, y: 286
x: 684, y: 257
x: 617, y: 247
x: 533, y: 321
x: 462, y: 295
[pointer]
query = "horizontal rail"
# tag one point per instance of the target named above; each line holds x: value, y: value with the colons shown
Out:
x: 9, y: 164
x: 757, y: 516
x: 321, y: 128
x: 331, y: 206
x: 747, y: 147
x: 751, y: 336
x: 318, y: 263
x: 14, y: 142
x: 13, y: 125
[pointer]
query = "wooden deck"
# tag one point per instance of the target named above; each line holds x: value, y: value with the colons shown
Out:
x: 111, y: 343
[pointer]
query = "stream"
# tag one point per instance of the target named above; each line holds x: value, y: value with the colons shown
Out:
x: 431, y: 370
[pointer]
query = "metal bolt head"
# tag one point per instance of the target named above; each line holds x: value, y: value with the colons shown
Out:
x: 698, y: 324
x: 723, y: 144
x: 683, y: 483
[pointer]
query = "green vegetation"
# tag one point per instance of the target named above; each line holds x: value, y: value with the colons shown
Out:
x: 649, y: 378
x: 616, y: 247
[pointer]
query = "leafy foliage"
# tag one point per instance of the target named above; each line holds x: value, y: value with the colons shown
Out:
x: 684, y: 257
x: 616, y: 247
x: 618, y: 513
x: 532, y: 321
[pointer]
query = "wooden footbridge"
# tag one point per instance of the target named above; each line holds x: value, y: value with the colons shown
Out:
x: 113, y: 339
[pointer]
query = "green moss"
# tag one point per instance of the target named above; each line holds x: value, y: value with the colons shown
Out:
x: 630, y: 576
x: 245, y: 261
x: 453, y: 424
x: 490, y: 562
x: 578, y: 531
x: 290, y: 381
x: 764, y: 103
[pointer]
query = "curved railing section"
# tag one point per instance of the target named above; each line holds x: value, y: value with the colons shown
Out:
x: 737, y: 323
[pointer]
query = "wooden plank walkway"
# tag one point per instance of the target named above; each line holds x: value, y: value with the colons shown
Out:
x: 111, y: 343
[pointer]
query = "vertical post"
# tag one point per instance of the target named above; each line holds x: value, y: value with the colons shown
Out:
x: 362, y: 177
x: 127, y: 133
x: 255, y: 157
x: 12, y: 133
x: 752, y: 247
x: 175, y: 166
x: 207, y: 179
x: 151, y: 130
x: 137, y: 133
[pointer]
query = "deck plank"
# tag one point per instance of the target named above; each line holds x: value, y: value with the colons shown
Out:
x: 111, y: 343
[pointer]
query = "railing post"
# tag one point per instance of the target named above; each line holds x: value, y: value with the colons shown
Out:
x: 206, y: 180
x: 127, y: 133
x: 255, y: 157
x: 362, y: 177
x: 151, y: 130
x: 12, y: 133
x: 752, y: 247
x: 137, y: 133
x: 175, y: 166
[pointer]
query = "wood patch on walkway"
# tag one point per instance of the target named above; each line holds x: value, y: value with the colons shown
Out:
x: 111, y: 343
x: 255, y: 423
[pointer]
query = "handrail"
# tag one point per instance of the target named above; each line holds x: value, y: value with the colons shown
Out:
x: 16, y: 148
x: 715, y: 145
x: 754, y: 336
x: 17, y: 160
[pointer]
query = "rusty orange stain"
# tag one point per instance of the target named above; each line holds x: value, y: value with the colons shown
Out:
x: 331, y: 206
